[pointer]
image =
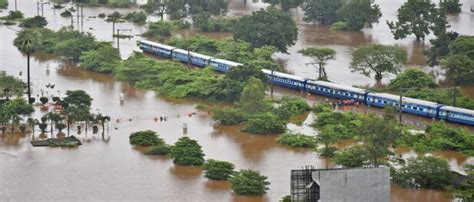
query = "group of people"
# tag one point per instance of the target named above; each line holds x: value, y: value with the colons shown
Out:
x: 342, y: 103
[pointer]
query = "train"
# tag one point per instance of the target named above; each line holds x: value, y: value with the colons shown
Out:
x: 409, y: 105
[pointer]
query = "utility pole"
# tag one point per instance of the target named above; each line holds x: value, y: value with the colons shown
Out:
x: 72, y: 22
x: 118, y: 37
x: 401, y: 106
x: 38, y: 7
x: 15, y: 6
x: 271, y: 88
x: 454, y: 96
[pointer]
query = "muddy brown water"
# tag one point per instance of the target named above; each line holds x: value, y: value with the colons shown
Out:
x: 108, y: 168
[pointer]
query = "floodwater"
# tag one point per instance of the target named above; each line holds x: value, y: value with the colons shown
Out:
x: 106, y: 167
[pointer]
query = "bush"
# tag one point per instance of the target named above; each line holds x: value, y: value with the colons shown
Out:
x: 66, y: 14
x: 103, y: 59
x: 228, y: 116
x: 206, y: 23
x: 13, y: 15
x: 297, y: 140
x: 294, y: 105
x: 249, y: 182
x: 322, y: 108
x: 352, y: 157
x: 159, y: 29
x: 413, y: 79
x: 187, y: 152
x: 37, y: 21
x: 425, y: 172
x: 218, y: 170
x: 136, y: 17
x: 101, y: 15
x: 3, y: 4
x: 327, y: 151
x: 340, y: 26
x: 161, y: 149
x: 265, y: 123
x: 145, y: 138
x: 181, y: 24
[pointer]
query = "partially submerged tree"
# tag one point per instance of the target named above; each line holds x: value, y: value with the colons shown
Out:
x: 187, y: 152
x: 378, y: 60
x: 218, y: 170
x: 320, y: 57
x: 249, y: 182
x: 321, y: 11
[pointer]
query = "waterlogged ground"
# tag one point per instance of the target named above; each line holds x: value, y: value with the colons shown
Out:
x: 106, y: 167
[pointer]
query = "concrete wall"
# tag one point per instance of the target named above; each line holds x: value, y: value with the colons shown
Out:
x: 360, y: 184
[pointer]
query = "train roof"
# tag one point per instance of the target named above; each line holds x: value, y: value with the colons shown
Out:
x: 457, y: 109
x: 157, y: 44
x: 283, y: 75
x: 200, y: 55
x: 406, y: 99
x: 227, y: 62
x: 338, y: 86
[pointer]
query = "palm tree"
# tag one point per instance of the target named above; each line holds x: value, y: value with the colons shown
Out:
x: 26, y: 42
x: 102, y: 120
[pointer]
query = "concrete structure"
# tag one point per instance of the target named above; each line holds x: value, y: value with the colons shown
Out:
x: 359, y: 184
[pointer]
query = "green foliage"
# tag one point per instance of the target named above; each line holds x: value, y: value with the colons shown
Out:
x: 418, y: 18
x: 206, y: 23
x: 265, y: 123
x: 145, y: 138
x: 352, y: 157
x: 229, y: 116
x: 64, y: 42
x: 465, y: 190
x: 159, y: 29
x: 379, y: 60
x: 181, y: 24
x: 321, y: 11
x: 187, y: 152
x: 320, y: 57
x: 104, y: 59
x: 439, y: 47
x: 425, y: 172
x: 13, y: 15
x: 295, y: 105
x: 459, y: 64
x: 120, y: 3
x: 66, y: 14
x: 358, y: 13
x: 37, y: 21
x: 297, y: 140
x: 340, y: 26
x: 442, y: 96
x: 15, y: 86
x: 3, y: 4
x: 413, y: 79
x: 78, y: 98
x: 344, y: 123
x: 161, y: 149
x: 178, y: 9
x: 218, y: 170
x: 253, y: 94
x: 451, y: 6
x: 260, y: 29
x: 328, y: 136
x: 249, y: 182
x: 322, y: 108
x: 136, y: 17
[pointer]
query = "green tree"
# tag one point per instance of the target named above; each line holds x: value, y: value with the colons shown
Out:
x: 228, y: 116
x: 159, y: 29
x: 187, y: 152
x: 114, y: 18
x: 78, y: 98
x: 37, y: 21
x: 451, y: 6
x: 265, y: 123
x: 102, y: 59
x: 378, y: 134
x: 15, y: 86
x: 218, y: 170
x: 136, y: 17
x: 328, y: 136
x: 459, y: 68
x: 27, y: 43
x: 285, y: 5
x: 320, y: 57
x: 352, y: 157
x: 359, y: 13
x: 145, y: 138
x: 267, y: 27
x: 413, y: 79
x: 439, y: 47
x: 297, y: 140
x: 379, y: 60
x: 3, y: 4
x: 253, y: 95
x: 425, y: 172
x: 418, y: 18
x: 15, y: 109
x: 249, y: 182
x: 465, y: 191
x: 102, y: 119
x: 321, y: 11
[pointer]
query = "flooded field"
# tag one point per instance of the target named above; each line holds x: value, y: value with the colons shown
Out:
x: 108, y: 168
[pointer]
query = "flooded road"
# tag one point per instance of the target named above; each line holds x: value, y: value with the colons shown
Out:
x: 109, y: 168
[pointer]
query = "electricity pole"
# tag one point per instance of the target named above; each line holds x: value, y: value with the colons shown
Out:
x: 118, y: 37
x: 454, y: 96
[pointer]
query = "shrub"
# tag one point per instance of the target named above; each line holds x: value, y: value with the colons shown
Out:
x: 329, y: 151
x: 206, y: 23
x: 37, y: 21
x: 351, y: 157
x: 340, y: 26
x: 66, y: 14
x: 249, y: 182
x: 187, y: 152
x: 136, y: 17
x: 101, y: 60
x: 294, y: 105
x: 218, y: 170
x: 297, y: 140
x: 181, y: 24
x: 228, y: 116
x: 101, y: 15
x: 322, y: 108
x: 145, y: 138
x: 425, y: 172
x: 161, y: 149
x: 265, y: 123
x: 13, y: 15
x: 159, y: 29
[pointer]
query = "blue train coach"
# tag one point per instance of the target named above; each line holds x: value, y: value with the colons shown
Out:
x: 156, y: 48
x: 336, y: 91
x: 455, y: 114
x: 285, y: 80
x: 222, y: 65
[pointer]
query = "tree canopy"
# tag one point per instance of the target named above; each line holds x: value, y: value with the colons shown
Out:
x: 413, y: 79
x: 267, y: 27
x: 37, y: 21
x: 459, y: 64
x: 322, y: 11
x: 187, y: 152
x: 425, y: 172
x: 249, y: 182
x: 218, y: 170
x: 359, y: 13
x: 379, y: 60
x: 320, y: 57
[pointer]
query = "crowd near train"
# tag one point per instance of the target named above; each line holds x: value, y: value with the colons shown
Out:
x: 409, y: 105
